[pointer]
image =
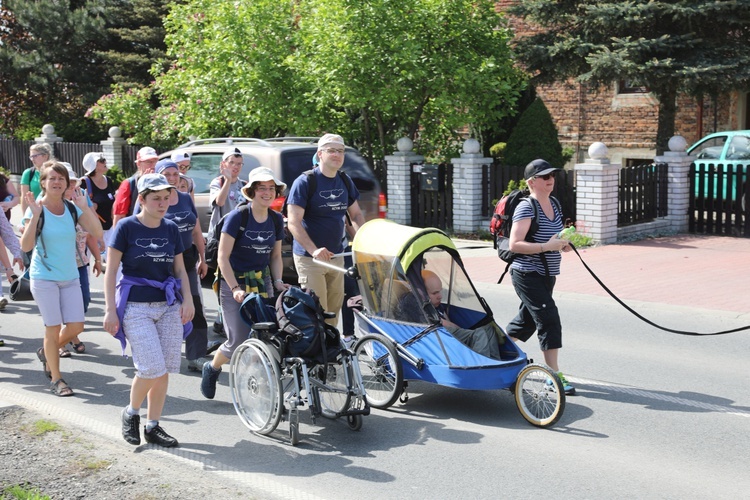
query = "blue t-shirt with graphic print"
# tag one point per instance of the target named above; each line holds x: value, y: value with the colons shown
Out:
x: 184, y: 214
x: 147, y: 253
x: 252, y: 249
x: 324, y: 210
x: 547, y: 229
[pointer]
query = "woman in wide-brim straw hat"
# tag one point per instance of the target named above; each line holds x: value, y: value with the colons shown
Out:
x: 245, y: 258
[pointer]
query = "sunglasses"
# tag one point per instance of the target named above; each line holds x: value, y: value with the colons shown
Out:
x: 545, y: 177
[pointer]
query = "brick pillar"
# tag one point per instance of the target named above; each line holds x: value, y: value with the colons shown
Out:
x: 48, y: 136
x: 112, y: 147
x: 597, y: 194
x: 398, y: 166
x: 679, y: 182
x: 467, y: 188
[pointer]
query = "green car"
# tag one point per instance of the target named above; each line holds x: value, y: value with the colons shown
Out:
x: 730, y: 151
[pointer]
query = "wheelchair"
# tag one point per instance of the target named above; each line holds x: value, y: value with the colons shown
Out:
x: 269, y: 386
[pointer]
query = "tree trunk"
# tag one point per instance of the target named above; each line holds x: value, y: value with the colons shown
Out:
x: 667, y: 111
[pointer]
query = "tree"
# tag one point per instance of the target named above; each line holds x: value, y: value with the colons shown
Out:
x: 48, y: 62
x: 697, y: 47
x: 534, y: 136
x: 372, y: 71
x: 424, y: 69
x: 134, y: 40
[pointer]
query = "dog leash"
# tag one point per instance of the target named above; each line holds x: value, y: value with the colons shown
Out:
x: 639, y: 316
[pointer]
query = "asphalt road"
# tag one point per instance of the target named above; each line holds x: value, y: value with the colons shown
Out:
x: 657, y: 415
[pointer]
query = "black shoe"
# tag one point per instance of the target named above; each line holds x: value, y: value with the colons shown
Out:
x: 208, y: 380
x: 219, y: 329
x: 158, y: 436
x: 212, y: 346
x: 130, y: 428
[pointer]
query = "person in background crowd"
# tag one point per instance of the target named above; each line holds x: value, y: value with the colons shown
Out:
x: 316, y: 220
x: 8, y: 242
x: 182, y: 159
x: 147, y: 307
x: 39, y: 154
x: 101, y: 191
x: 54, y: 276
x: 127, y: 193
x: 183, y: 213
x: 8, y: 195
x: 224, y: 197
x: 538, y: 311
x: 84, y: 242
x: 244, y: 259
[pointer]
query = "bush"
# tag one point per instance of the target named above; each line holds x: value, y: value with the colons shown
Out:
x: 498, y: 150
x: 535, y: 136
x: 116, y: 175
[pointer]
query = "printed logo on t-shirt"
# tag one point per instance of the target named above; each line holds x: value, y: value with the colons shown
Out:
x: 332, y: 200
x: 153, y: 247
x: 258, y: 241
x: 179, y: 218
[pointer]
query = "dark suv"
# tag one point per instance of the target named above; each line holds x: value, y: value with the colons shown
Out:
x: 288, y: 157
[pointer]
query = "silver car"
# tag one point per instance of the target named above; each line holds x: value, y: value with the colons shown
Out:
x: 288, y: 157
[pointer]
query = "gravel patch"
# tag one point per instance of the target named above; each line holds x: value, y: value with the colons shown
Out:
x: 61, y: 461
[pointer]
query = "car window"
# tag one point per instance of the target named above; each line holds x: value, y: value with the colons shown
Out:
x: 739, y: 148
x: 710, y: 149
x: 204, y: 167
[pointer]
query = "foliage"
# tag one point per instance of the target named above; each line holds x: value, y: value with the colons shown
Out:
x: 135, y: 32
x: 48, y: 62
x: 451, y: 55
x: 699, y: 47
x: 20, y: 492
x: 535, y: 136
x: 130, y: 110
x: 371, y: 71
x: 515, y: 185
x: 116, y: 175
x: 498, y: 150
x: 567, y: 153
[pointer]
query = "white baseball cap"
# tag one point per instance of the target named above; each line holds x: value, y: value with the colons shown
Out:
x: 180, y: 155
x: 90, y: 160
x: 231, y: 152
x: 146, y: 153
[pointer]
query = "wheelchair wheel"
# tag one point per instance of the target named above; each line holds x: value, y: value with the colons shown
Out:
x: 354, y: 422
x: 335, y: 401
x: 254, y: 380
x: 382, y: 375
x: 294, y: 427
x: 539, y: 395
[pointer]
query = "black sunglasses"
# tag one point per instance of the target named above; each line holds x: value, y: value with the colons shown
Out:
x: 545, y: 177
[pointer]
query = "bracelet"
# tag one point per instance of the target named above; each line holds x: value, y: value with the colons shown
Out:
x: 279, y: 280
x: 235, y: 287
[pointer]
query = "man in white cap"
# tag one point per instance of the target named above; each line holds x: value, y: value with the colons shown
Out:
x: 128, y: 192
x: 316, y: 220
x: 225, y: 195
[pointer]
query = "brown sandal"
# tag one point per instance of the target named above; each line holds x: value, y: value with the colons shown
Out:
x: 79, y: 348
x: 43, y: 359
x: 63, y: 391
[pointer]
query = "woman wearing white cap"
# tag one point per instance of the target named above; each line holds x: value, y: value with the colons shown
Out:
x: 100, y: 190
x: 54, y: 275
x: 244, y: 260
x: 147, y: 307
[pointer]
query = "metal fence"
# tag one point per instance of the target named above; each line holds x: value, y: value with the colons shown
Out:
x: 14, y: 155
x: 73, y: 153
x: 432, y: 206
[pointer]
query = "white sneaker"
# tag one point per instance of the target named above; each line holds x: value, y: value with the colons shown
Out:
x: 3, y: 303
x: 349, y: 341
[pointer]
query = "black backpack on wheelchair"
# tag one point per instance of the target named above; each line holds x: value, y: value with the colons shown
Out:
x: 302, y: 326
